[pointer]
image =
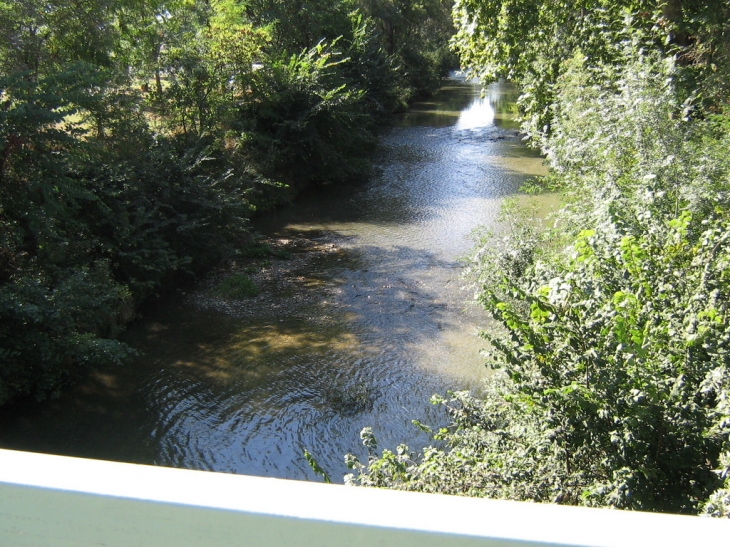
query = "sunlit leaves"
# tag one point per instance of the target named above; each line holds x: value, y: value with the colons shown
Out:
x: 614, y: 339
x: 527, y: 42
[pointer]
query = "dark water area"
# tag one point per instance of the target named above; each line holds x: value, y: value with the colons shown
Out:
x: 390, y: 325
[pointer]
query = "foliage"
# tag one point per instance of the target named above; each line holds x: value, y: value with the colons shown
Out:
x: 608, y: 396
x: 718, y: 504
x: 316, y: 467
x: 59, y: 301
x: 399, y: 47
x: 528, y: 42
x: 307, y: 125
x: 41, y: 36
x: 414, y: 33
x: 85, y: 184
x: 138, y: 137
x: 612, y: 355
x: 51, y: 328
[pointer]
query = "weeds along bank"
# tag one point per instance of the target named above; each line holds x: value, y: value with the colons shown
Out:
x: 137, y: 138
x: 612, y: 382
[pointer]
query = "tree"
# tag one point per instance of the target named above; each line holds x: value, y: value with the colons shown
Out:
x: 527, y: 42
x: 39, y: 36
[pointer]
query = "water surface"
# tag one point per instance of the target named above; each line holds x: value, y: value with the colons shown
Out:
x: 391, y: 324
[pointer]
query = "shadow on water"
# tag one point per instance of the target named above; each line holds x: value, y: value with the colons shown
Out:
x: 441, y: 111
x: 383, y: 327
x: 214, y: 392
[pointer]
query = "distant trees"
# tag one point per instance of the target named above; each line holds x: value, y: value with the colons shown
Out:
x: 138, y: 136
x: 612, y: 368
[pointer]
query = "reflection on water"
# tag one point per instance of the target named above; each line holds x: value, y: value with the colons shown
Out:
x: 480, y: 113
x: 387, y: 326
x: 503, y: 100
x: 441, y: 111
x: 451, y: 106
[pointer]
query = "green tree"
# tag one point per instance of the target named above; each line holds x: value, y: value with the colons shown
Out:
x: 307, y: 115
x: 415, y: 33
x: 38, y: 36
x: 58, y: 299
x: 528, y: 42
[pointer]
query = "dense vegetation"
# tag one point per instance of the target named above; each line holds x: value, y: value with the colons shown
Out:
x: 138, y: 136
x: 612, y: 339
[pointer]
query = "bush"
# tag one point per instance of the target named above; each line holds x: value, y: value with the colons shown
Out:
x: 50, y: 329
x: 613, y: 353
x: 307, y: 125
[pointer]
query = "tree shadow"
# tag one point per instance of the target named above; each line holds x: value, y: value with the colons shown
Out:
x: 217, y: 392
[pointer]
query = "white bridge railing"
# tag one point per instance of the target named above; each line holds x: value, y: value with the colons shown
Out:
x: 57, y: 501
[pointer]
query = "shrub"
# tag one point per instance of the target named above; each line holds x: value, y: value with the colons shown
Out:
x: 613, y: 353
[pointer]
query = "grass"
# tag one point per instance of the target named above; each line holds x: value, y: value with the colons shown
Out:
x: 237, y: 286
x: 262, y: 250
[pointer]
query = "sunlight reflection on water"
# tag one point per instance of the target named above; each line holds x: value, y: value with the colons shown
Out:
x: 479, y: 114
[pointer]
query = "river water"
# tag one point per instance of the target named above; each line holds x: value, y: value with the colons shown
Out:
x: 390, y: 325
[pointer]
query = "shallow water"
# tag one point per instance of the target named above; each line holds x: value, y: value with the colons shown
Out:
x: 391, y: 325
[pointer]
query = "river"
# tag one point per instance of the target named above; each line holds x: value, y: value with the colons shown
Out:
x: 384, y: 326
